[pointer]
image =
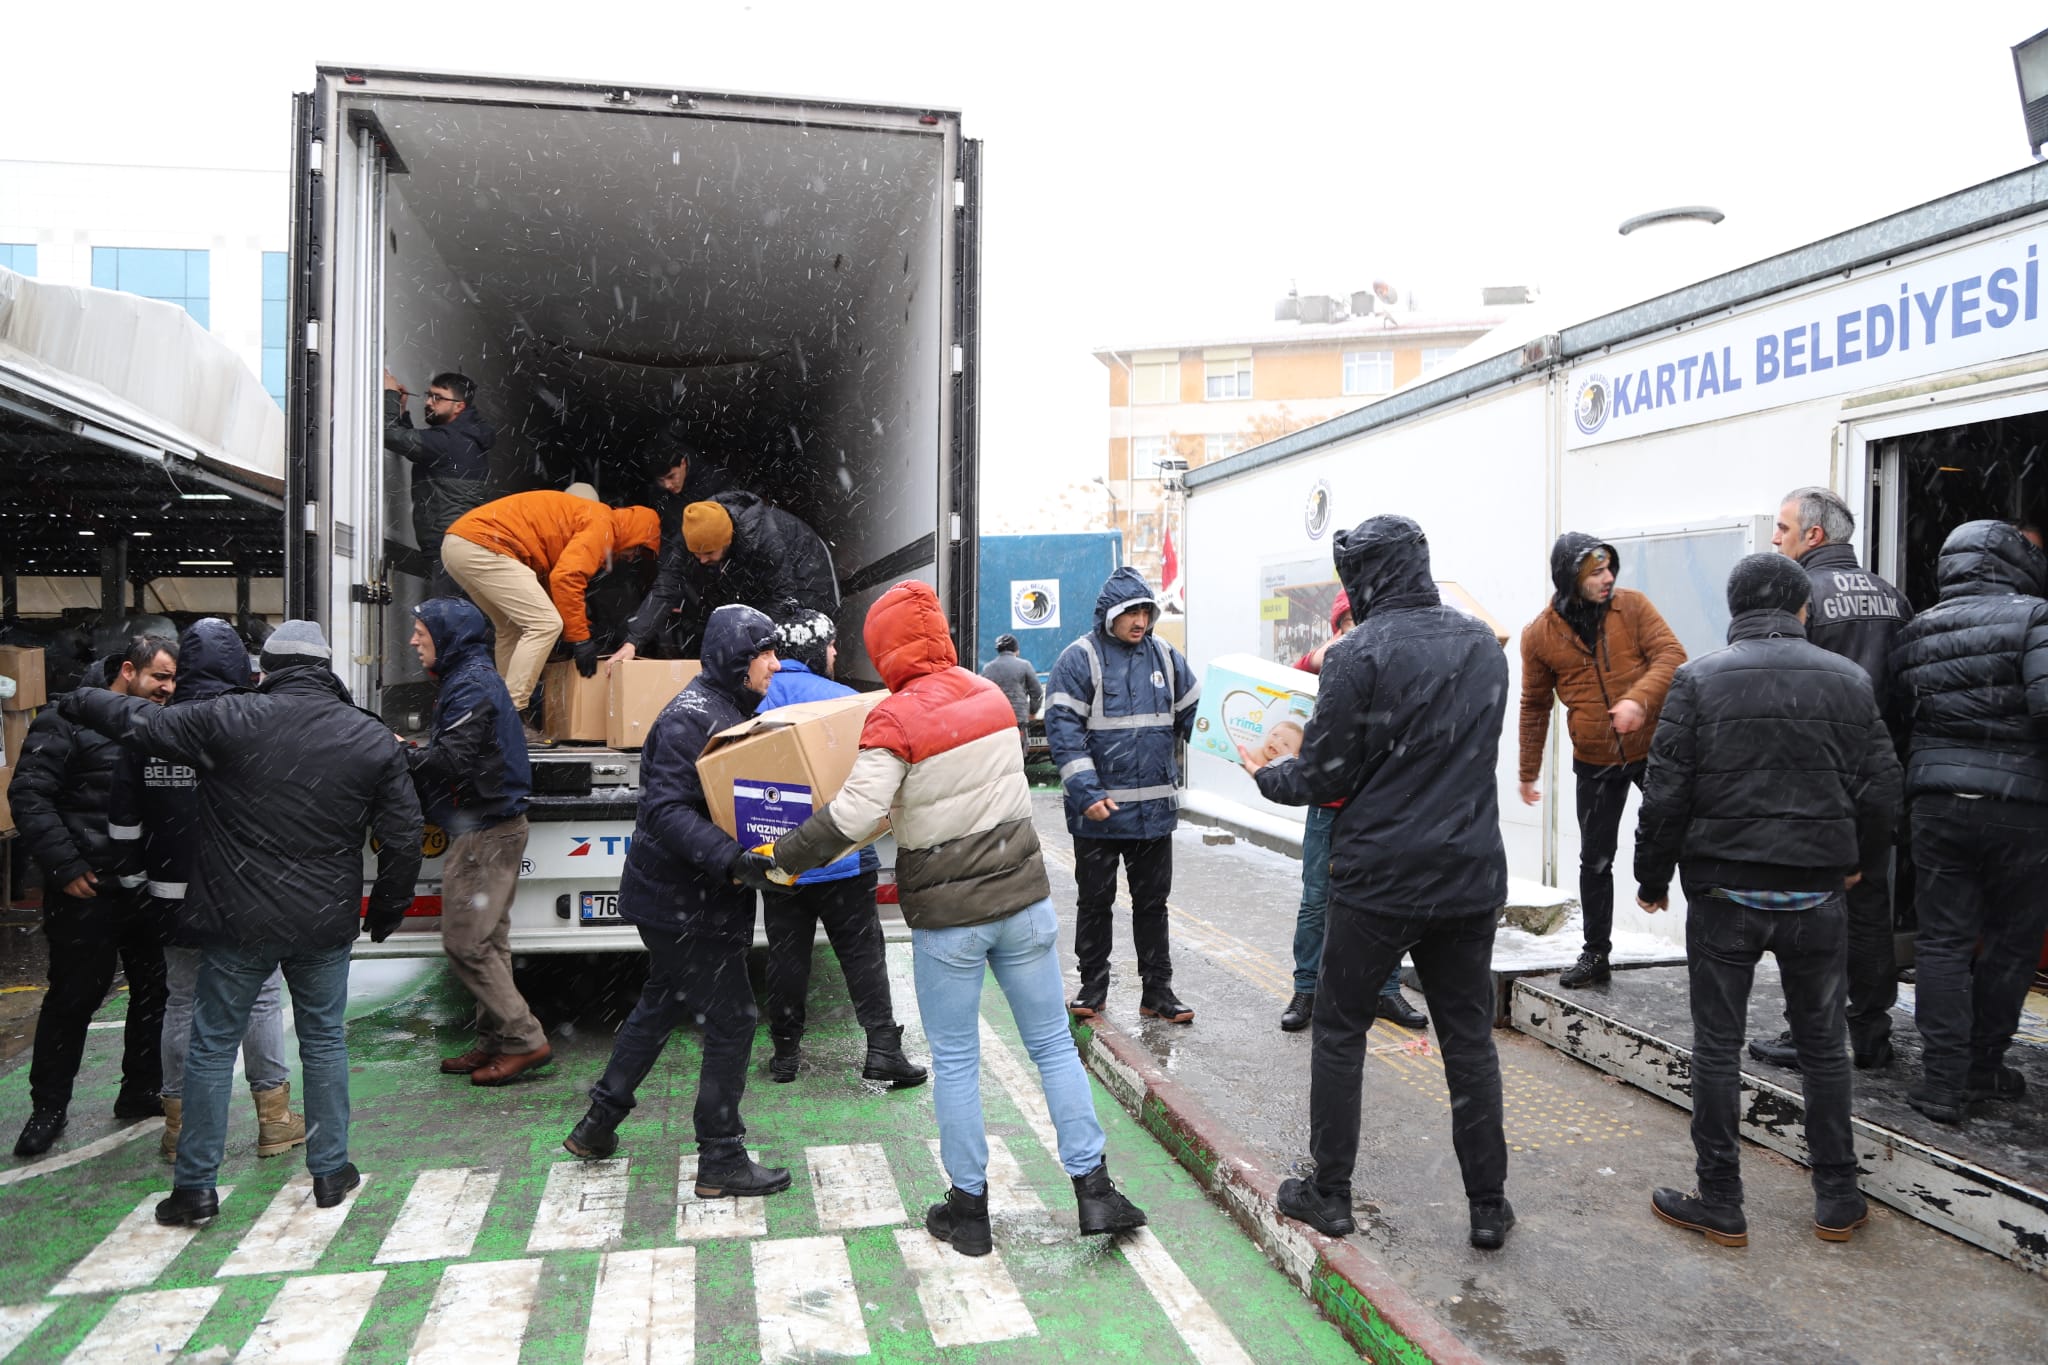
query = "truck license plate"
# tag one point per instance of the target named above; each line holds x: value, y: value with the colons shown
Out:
x: 599, y: 907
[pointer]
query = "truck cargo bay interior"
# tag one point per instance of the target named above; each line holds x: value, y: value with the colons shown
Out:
x: 771, y: 290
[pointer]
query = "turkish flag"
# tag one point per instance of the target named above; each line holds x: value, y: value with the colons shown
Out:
x: 1170, y: 569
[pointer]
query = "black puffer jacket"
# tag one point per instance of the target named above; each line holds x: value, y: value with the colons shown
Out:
x: 1974, y: 670
x: 1771, y: 770
x: 775, y: 560
x: 678, y: 872
x: 153, y: 812
x: 59, y: 792
x: 292, y: 779
x: 451, y: 466
x: 1406, y: 731
x: 1857, y: 615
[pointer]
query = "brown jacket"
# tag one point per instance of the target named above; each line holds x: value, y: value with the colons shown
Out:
x: 1637, y: 658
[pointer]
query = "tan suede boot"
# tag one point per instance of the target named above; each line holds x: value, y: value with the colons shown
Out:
x: 278, y: 1129
x: 173, y: 1109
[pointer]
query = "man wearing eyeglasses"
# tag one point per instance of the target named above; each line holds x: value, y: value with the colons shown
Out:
x: 451, y: 456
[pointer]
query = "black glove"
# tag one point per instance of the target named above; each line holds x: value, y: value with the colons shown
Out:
x: 751, y: 869
x: 586, y: 657
x: 385, y: 919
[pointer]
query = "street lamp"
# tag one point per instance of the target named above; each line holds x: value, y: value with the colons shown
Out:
x: 2030, y: 64
x: 1114, y: 514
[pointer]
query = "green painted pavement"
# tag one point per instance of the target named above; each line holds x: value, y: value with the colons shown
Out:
x: 1087, y: 1300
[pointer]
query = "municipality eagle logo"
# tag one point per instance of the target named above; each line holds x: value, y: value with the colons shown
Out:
x: 1591, y: 404
x: 1033, y: 605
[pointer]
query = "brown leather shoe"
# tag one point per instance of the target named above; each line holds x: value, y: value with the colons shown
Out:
x: 508, y: 1066
x: 467, y: 1062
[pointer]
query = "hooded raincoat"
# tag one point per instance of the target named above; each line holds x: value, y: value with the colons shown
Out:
x: 474, y: 771
x: 1406, y: 732
x: 1115, y: 717
x: 678, y: 876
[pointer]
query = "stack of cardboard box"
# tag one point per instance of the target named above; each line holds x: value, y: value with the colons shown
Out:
x: 616, y: 705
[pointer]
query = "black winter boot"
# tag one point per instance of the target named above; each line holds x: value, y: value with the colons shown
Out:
x: 1491, y: 1219
x: 596, y: 1134
x: 1089, y: 1000
x: 2006, y: 1083
x: 1329, y: 1214
x: 1300, y: 1012
x: 1838, y: 1216
x: 187, y: 1206
x: 1778, y: 1051
x: 886, y: 1061
x: 1103, y: 1207
x: 788, y: 1059
x: 40, y: 1131
x: 1722, y: 1223
x: 962, y: 1220
x: 739, y: 1180
x: 1590, y: 970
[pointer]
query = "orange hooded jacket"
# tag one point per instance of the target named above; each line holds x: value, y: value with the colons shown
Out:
x: 565, y: 539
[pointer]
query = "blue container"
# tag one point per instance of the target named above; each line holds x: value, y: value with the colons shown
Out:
x: 1042, y: 590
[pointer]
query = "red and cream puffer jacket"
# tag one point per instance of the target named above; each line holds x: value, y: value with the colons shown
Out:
x: 939, y: 761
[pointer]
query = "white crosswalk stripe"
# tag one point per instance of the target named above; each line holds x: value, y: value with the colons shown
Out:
x: 853, y: 1188
x: 313, y: 1320
x: 137, y: 1251
x: 701, y: 1219
x: 1009, y: 1193
x: 145, y: 1327
x: 967, y: 1299
x: 17, y: 1321
x: 1199, y: 1327
x: 645, y: 1309
x: 441, y: 1216
x: 583, y: 1206
x: 805, y: 1300
x: 292, y: 1233
x: 479, y: 1313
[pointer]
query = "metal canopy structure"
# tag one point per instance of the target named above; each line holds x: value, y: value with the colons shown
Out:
x: 102, y: 473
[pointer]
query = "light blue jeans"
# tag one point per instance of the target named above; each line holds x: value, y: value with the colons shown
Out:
x: 230, y: 979
x: 951, y: 964
x: 263, y: 1060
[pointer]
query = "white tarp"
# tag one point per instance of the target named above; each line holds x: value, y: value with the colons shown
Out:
x: 143, y: 368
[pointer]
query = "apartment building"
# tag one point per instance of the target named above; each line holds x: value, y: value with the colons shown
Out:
x: 1175, y: 406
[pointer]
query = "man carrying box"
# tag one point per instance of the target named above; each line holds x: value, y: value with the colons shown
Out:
x: 473, y: 777
x: 689, y: 888
x: 1121, y: 703
x: 841, y: 894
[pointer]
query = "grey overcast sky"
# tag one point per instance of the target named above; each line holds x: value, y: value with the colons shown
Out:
x: 1155, y: 172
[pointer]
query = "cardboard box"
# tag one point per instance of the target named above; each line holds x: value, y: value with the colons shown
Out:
x: 572, y: 706
x: 1251, y: 704
x: 639, y: 690
x: 765, y: 776
x: 25, y: 666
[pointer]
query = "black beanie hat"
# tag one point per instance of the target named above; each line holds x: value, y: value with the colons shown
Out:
x: 1767, y: 582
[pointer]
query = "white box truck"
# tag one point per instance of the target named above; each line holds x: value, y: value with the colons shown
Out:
x: 791, y: 283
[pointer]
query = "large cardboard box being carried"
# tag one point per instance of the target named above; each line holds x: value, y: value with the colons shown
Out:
x: 640, y: 690
x: 766, y: 775
x: 25, y: 666
x: 1253, y: 706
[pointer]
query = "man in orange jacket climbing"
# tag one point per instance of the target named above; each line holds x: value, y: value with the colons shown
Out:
x: 501, y: 552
